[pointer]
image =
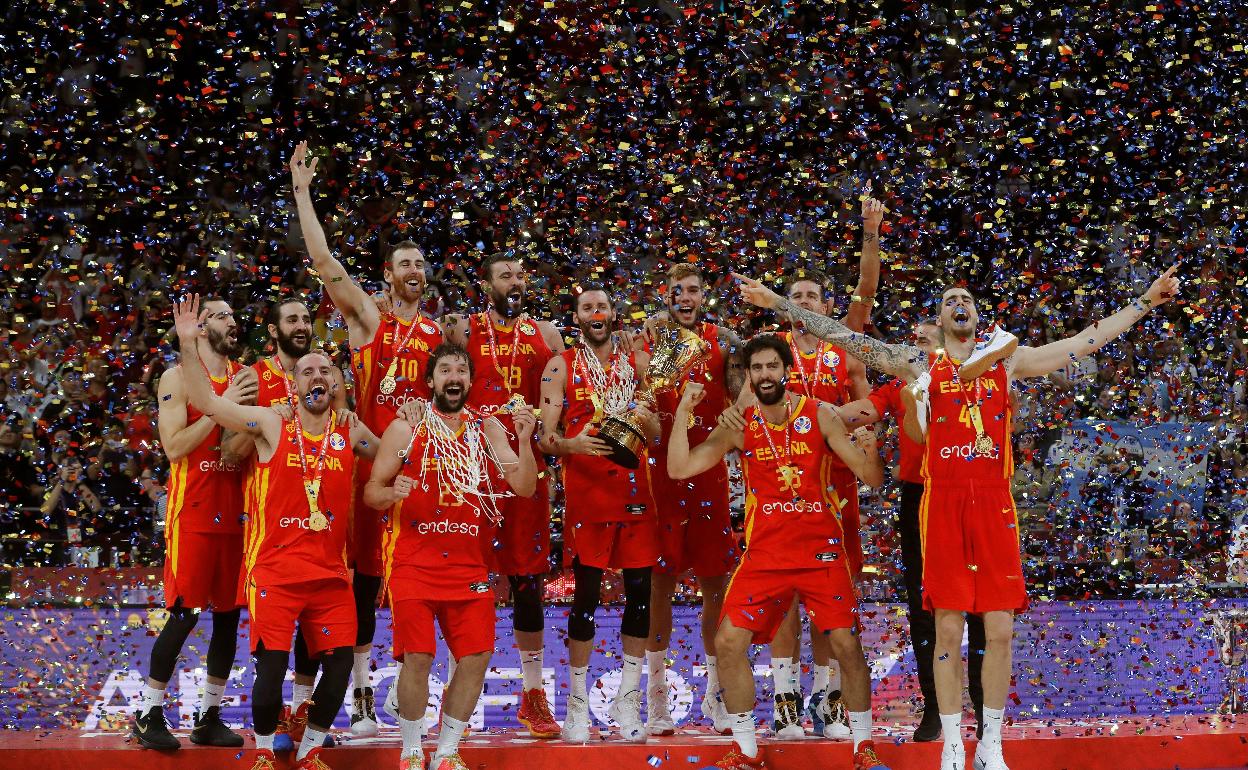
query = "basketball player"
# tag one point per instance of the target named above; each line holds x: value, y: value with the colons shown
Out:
x: 388, y: 355
x: 296, y: 567
x: 824, y: 372
x: 509, y: 351
x: 290, y: 328
x: 203, y: 529
x: 967, y: 518
x: 695, y: 532
x: 795, y: 541
x: 440, y: 473
x: 611, y: 522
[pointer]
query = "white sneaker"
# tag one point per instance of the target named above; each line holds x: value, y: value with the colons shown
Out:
x: 836, y: 721
x: 786, y: 722
x: 363, y: 713
x: 953, y: 756
x: 391, y: 705
x: 658, y: 713
x: 713, y: 709
x: 576, y: 721
x: 988, y: 756
x: 625, y: 711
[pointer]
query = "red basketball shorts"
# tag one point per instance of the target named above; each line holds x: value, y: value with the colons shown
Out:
x: 325, y: 609
x: 758, y: 598
x: 203, y: 570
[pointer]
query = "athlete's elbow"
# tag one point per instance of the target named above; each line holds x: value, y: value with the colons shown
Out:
x: 677, y: 471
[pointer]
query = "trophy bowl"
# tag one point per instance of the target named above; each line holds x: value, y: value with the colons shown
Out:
x: 673, y: 353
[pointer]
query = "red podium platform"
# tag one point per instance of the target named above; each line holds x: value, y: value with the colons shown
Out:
x: 1196, y: 743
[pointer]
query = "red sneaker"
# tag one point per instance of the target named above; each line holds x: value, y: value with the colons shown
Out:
x: 738, y: 760
x: 298, y: 722
x: 535, y: 714
x: 312, y: 761
x: 264, y: 760
x: 865, y: 758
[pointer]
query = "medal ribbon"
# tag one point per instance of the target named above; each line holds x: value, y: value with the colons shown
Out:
x: 972, y: 407
x: 788, y: 418
x: 313, y: 483
x: 515, y: 343
x: 396, y: 349
x: 801, y: 368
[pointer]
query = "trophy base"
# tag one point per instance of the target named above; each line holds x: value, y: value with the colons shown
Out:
x: 626, y: 441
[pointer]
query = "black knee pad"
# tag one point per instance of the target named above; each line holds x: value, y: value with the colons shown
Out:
x: 526, y: 603
x: 305, y: 665
x: 584, y: 601
x: 332, y: 689
x: 365, y: 588
x: 168, y: 645
x: 224, y: 643
x: 636, y: 621
x: 266, y: 691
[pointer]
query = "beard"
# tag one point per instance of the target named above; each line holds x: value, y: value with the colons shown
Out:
x: 287, y: 345
x: 223, y: 344
x: 405, y: 294
x: 771, y: 397
x: 595, y: 337
x: 508, y: 305
x: 449, y: 404
x: 317, y: 406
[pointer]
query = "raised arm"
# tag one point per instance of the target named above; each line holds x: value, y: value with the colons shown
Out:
x: 357, y: 307
x: 1037, y: 362
x: 683, y: 462
x: 905, y: 361
x: 455, y: 328
x: 257, y: 421
x: 863, y: 299
x: 863, y: 460
x: 734, y: 364
x: 519, y: 467
x: 385, y: 486
x: 177, y: 438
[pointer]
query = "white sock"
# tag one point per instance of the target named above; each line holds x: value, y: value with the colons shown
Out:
x: 312, y: 738
x: 413, y: 731
x: 630, y: 674
x: 656, y: 669
x: 782, y: 673
x: 712, y: 675
x: 264, y: 741
x: 448, y: 737
x: 951, y: 728
x: 579, y: 674
x: 822, y: 678
x: 300, y: 694
x: 359, y: 671
x: 531, y: 665
x: 992, y: 724
x: 743, y: 732
x: 152, y: 698
x: 834, y: 677
x: 211, y: 697
x: 860, y: 726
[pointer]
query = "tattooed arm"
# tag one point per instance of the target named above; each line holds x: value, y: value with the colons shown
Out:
x: 734, y: 367
x: 904, y: 361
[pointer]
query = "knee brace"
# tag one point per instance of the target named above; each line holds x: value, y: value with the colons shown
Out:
x: 365, y: 588
x: 224, y: 643
x: 168, y: 646
x: 636, y: 621
x: 332, y: 689
x: 526, y: 603
x: 584, y: 601
x: 266, y: 691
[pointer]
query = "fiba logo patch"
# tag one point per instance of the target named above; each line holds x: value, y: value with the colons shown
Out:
x: 337, y: 442
x: 802, y: 424
x: 427, y: 329
x: 831, y: 359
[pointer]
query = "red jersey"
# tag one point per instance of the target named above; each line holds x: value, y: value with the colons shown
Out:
x: 205, y: 494
x: 275, y: 386
x: 433, y: 536
x: 417, y: 339
x: 823, y: 374
x: 792, y: 510
x: 887, y: 401
x: 279, y: 545
x: 505, y: 361
x: 950, y: 454
x: 710, y: 372
x: 596, y: 489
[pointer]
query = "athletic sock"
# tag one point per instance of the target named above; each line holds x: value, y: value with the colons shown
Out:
x: 951, y: 727
x: 312, y: 738
x: 300, y: 694
x: 743, y: 732
x: 448, y: 737
x: 211, y: 697
x: 630, y: 675
x: 822, y: 678
x: 712, y: 675
x: 359, y: 671
x: 531, y: 665
x: 834, y: 677
x: 992, y: 724
x: 413, y: 731
x: 152, y: 698
x: 656, y: 669
x: 264, y: 741
x: 579, y: 674
x: 782, y: 673
x: 860, y: 726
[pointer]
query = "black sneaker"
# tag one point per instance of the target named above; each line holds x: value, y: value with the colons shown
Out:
x: 211, y: 731
x: 152, y: 730
x: 788, y: 723
x: 929, y: 727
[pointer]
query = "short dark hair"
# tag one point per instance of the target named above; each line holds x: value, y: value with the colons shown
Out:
x: 274, y: 313
x: 586, y: 288
x: 487, y: 265
x: 814, y: 276
x: 761, y: 342
x: 402, y: 246
x: 447, y: 350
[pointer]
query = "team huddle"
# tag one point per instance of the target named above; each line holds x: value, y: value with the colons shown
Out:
x: 283, y: 501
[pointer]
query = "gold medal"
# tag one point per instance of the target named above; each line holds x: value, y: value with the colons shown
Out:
x: 515, y: 402
x: 388, y: 383
x: 317, y: 522
x: 984, y: 445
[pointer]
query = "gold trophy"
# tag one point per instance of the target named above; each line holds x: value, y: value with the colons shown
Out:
x: 674, y: 352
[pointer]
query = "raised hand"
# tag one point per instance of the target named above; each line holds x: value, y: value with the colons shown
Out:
x: 302, y: 171
x: 403, y: 486
x: 1164, y: 289
x: 525, y: 421
x: 872, y: 210
x: 756, y: 293
x: 244, y: 387
x: 693, y: 395
x: 186, y: 320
